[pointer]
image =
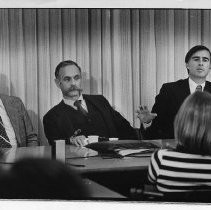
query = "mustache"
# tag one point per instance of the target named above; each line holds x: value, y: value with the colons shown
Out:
x: 73, y: 88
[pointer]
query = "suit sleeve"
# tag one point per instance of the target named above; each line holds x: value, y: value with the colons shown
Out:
x: 124, y: 129
x: 31, y: 136
x: 55, y: 128
x: 50, y: 129
x: 162, y: 125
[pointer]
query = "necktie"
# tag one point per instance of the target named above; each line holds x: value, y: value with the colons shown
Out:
x: 77, y: 104
x: 199, y: 88
x: 4, y: 140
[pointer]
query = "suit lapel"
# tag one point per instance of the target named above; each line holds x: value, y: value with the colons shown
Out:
x: 207, y: 87
x: 185, y: 89
x: 181, y: 91
x: 12, y: 114
x: 106, y: 114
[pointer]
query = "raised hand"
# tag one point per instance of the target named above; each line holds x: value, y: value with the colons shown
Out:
x: 144, y: 115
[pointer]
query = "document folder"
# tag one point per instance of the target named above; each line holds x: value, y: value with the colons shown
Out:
x: 122, y: 147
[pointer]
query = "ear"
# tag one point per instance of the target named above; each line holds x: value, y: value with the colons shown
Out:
x: 57, y: 81
x: 187, y: 65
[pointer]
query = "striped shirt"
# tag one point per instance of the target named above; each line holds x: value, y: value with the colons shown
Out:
x: 173, y: 171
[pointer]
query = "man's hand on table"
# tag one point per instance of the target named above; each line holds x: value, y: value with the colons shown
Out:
x: 78, y: 141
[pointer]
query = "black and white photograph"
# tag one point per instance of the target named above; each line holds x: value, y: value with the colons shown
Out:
x: 105, y: 103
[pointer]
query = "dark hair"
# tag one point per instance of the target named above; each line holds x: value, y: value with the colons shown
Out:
x: 38, y: 178
x: 195, y: 49
x: 65, y: 63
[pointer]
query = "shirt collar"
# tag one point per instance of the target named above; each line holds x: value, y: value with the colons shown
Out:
x: 193, y: 85
x: 71, y: 102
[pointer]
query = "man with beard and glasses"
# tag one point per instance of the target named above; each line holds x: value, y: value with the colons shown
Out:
x: 89, y: 114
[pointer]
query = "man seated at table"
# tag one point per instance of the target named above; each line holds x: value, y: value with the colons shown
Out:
x: 92, y: 114
x: 15, y: 125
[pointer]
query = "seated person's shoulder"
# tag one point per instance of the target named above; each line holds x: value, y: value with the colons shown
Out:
x: 53, y: 110
x: 172, y: 88
x: 13, y: 100
x: 10, y: 97
x: 95, y: 97
x: 208, y: 83
x: 174, y: 153
x: 165, y: 153
x: 173, y: 84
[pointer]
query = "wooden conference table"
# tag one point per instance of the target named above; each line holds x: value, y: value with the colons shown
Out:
x: 87, y: 162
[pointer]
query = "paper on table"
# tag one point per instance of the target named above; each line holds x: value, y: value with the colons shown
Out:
x: 125, y: 152
x: 80, y: 152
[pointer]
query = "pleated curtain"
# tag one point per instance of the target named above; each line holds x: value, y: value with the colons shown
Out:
x: 125, y: 54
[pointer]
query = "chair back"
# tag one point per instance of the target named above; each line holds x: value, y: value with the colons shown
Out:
x: 148, y: 193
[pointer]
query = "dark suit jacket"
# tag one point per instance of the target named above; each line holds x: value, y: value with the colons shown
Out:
x: 167, y: 104
x: 57, y: 125
x: 21, y: 123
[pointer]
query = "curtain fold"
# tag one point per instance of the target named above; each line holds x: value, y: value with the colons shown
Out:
x: 124, y: 54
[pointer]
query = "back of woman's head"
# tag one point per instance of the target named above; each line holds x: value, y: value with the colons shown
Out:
x: 192, y: 124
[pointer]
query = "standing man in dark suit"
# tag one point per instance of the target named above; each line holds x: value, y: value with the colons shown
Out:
x: 92, y: 114
x: 172, y: 95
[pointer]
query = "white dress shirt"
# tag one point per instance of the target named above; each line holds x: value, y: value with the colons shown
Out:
x: 193, y: 85
x: 71, y: 102
x: 7, y: 125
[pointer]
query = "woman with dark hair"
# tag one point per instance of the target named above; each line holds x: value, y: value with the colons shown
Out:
x: 188, y: 167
